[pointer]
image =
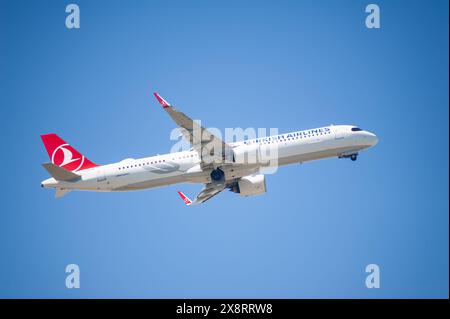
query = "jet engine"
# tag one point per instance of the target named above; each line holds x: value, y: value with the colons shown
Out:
x: 251, y: 185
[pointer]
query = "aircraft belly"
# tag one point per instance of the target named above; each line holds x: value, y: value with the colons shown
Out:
x: 145, y: 180
x: 150, y: 183
x: 314, y: 155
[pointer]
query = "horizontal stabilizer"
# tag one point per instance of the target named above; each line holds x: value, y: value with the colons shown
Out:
x: 60, y: 174
x: 60, y: 192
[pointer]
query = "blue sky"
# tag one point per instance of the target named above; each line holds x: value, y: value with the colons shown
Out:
x: 291, y: 65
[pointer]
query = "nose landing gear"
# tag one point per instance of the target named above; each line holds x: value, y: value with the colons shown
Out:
x: 353, y: 156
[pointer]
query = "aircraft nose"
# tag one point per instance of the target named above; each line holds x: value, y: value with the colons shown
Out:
x: 373, y: 139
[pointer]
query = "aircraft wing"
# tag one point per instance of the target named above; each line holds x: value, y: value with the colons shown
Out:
x: 206, y: 193
x: 210, y: 147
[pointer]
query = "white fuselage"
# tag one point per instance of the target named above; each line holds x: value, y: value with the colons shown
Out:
x: 184, y: 167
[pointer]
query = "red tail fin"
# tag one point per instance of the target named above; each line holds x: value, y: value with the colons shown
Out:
x: 64, y: 155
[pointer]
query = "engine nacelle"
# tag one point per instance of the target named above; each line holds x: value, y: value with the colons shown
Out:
x: 252, y: 185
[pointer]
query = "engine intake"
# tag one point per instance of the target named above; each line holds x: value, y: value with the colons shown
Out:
x: 217, y: 175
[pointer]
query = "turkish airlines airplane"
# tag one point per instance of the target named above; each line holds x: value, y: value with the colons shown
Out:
x: 237, y: 166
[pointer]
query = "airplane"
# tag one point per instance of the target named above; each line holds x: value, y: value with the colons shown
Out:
x: 230, y: 168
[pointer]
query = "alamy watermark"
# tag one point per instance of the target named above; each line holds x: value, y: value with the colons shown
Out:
x: 373, y: 279
x: 73, y: 277
x: 73, y: 17
x: 373, y: 20
x: 258, y: 147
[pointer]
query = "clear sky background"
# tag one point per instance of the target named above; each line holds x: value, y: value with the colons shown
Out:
x: 286, y: 64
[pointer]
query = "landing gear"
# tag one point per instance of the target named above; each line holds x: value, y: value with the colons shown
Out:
x: 353, y: 156
x: 217, y: 175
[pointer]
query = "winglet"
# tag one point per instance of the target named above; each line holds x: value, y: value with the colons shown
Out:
x: 161, y: 101
x: 186, y: 200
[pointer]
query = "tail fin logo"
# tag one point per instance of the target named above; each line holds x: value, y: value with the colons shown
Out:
x: 63, y: 157
x: 67, y: 156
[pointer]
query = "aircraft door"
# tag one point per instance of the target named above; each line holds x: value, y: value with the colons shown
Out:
x: 102, y: 181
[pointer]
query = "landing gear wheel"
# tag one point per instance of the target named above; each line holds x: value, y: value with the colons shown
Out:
x: 217, y: 175
x: 354, y: 157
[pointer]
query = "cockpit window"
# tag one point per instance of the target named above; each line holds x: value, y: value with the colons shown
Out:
x: 356, y: 129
